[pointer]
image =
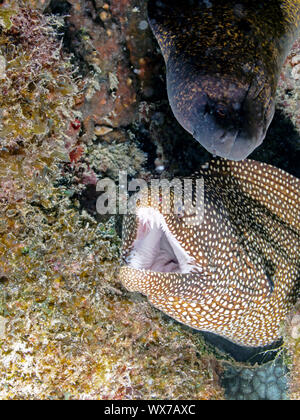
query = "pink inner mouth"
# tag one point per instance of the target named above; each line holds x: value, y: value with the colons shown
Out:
x: 155, y: 247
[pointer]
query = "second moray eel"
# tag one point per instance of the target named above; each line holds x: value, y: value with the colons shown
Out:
x: 223, y: 60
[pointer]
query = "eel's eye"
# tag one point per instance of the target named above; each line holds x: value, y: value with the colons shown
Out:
x: 220, y: 111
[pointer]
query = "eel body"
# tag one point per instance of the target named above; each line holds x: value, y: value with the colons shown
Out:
x: 223, y: 61
x: 233, y: 271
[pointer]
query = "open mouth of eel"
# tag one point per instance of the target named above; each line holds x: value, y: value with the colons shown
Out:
x: 155, y: 247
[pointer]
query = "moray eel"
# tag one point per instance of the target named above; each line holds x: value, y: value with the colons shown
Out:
x: 231, y: 270
x: 223, y: 60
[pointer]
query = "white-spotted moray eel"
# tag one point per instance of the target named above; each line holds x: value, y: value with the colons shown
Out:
x: 235, y: 272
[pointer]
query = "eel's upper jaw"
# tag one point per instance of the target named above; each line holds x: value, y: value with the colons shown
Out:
x: 155, y: 248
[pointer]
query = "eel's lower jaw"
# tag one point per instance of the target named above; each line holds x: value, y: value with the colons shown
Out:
x: 243, y: 147
x: 234, y: 145
x: 245, y: 143
x: 155, y: 247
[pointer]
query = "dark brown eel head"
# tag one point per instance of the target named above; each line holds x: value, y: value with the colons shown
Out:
x: 223, y: 60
